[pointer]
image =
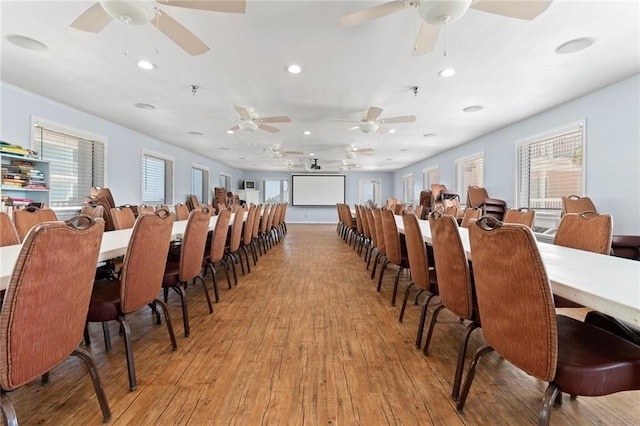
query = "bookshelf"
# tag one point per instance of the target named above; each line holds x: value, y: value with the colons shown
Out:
x: 24, y: 180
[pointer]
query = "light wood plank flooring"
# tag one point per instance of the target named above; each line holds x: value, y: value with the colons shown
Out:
x: 304, y: 339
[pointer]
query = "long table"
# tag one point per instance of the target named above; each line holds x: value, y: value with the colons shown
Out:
x: 605, y: 283
x: 114, y: 244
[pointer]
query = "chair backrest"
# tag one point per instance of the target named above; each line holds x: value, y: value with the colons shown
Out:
x: 265, y: 218
x: 193, y: 244
x: 576, y: 204
x: 522, y: 216
x: 425, y: 199
x: 451, y: 211
x: 106, y: 214
x: 272, y: 214
x: 372, y: 226
x: 419, y: 211
x: 475, y: 196
x: 93, y: 210
x: 454, y: 279
x: 145, y: 260
x: 365, y: 223
x: 236, y: 230
x: 8, y: 233
x: 248, y: 225
x: 192, y: 202
x: 25, y: 219
x: 392, y: 247
x: 123, y: 218
x: 220, y: 196
x: 416, y: 251
x: 256, y: 221
x: 585, y: 231
x: 469, y: 214
x: 436, y: 189
x: 514, y: 296
x: 103, y: 193
x: 182, y: 211
x: 380, y: 240
x: 143, y: 208
x: 46, y: 303
x: 219, y: 236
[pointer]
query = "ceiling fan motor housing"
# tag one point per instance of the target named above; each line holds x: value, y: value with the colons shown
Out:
x: 248, y: 126
x: 369, y: 127
x: 135, y: 12
x: 438, y: 12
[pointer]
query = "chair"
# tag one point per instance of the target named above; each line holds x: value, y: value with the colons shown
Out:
x: 92, y: 210
x: 585, y: 231
x: 192, y: 202
x: 27, y: 218
x: 220, y: 196
x: 576, y: 204
x: 233, y: 248
x: 519, y: 322
x: 103, y: 193
x: 216, y: 252
x: 123, y: 218
x: 247, y: 237
x: 366, y: 232
x: 262, y: 232
x: 374, y: 236
x: 255, y: 246
x: 421, y: 276
x: 182, y: 211
x: 44, y: 309
x: 523, y: 216
x: 470, y: 213
x: 139, y: 284
x: 477, y: 196
x: 395, y: 251
x: 451, y: 211
x: 176, y: 274
x: 143, y: 208
x: 455, y: 285
x: 102, y: 201
x: 381, y: 256
x: 8, y: 233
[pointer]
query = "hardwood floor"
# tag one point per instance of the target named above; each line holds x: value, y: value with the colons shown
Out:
x: 304, y: 339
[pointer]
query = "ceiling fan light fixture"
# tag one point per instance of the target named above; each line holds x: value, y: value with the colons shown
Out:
x: 473, y: 108
x: 306, y: 132
x: 248, y: 126
x: 575, y: 45
x: 447, y: 72
x: 230, y: 132
x: 135, y: 12
x: 146, y: 65
x: 369, y: 127
x: 438, y: 12
x: 294, y: 69
x: 142, y: 105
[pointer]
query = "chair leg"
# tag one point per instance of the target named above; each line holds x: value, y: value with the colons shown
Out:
x: 128, y: 347
x: 423, y: 319
x: 382, y: 269
x: 547, y: 402
x: 154, y: 309
x: 97, y: 385
x: 215, y: 282
x: 395, y: 286
x: 472, y: 372
x: 8, y: 412
x: 226, y: 272
x: 185, y: 313
x: 404, y: 302
x: 45, y: 379
x: 87, y: 338
x: 432, y: 325
x: 375, y: 264
x: 206, y: 292
x: 455, y: 392
x: 107, y: 337
x: 167, y: 319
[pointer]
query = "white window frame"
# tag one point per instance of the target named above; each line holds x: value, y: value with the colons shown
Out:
x: 408, y: 190
x: 284, y: 194
x: 377, y: 191
x: 227, y: 179
x: 460, y: 184
x: 165, y: 157
x: 547, y: 218
x: 204, y: 197
x: 37, y: 122
x: 426, y: 182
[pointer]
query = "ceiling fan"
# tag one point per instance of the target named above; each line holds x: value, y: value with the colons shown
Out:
x: 371, y: 123
x: 353, y: 151
x: 279, y: 151
x: 436, y: 13
x: 250, y: 121
x: 140, y: 12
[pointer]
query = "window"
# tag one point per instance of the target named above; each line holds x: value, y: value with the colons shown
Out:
x: 469, y: 172
x: 224, y: 181
x: 76, y: 163
x: 407, y: 188
x: 549, y: 167
x: 429, y: 177
x: 276, y: 191
x: 200, y: 183
x: 370, y: 191
x: 157, y: 179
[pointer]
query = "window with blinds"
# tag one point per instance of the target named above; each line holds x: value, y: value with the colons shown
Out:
x: 157, y: 180
x: 469, y: 172
x: 75, y: 164
x: 429, y: 177
x: 407, y: 189
x: 549, y: 167
x: 276, y: 191
x: 200, y: 183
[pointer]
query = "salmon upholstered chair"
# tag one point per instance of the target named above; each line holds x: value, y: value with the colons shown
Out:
x: 216, y: 252
x: 143, y: 208
x: 25, y: 219
x: 585, y: 231
x: 233, y: 247
x: 139, y: 283
x: 104, y: 193
x: 8, y: 233
x: 182, y: 211
x: 523, y: 216
x: 262, y: 232
x: 519, y: 322
x: 470, y: 213
x: 123, y: 218
x: 576, y: 204
x: 395, y: 251
x: 381, y: 256
x: 247, y: 238
x: 45, y: 307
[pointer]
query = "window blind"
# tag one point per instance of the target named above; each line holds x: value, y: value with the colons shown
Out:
x: 157, y: 180
x: 469, y: 172
x: 75, y: 165
x: 276, y: 191
x: 429, y: 177
x: 200, y: 184
x: 550, y: 167
x: 407, y: 189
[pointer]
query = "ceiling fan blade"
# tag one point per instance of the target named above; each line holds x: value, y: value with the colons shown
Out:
x: 521, y: 9
x: 92, y: 20
x: 354, y: 128
x: 366, y: 151
x: 403, y: 119
x: 268, y: 128
x: 235, y: 128
x: 342, y: 120
x: 426, y: 39
x: 276, y: 119
x: 372, y: 13
x: 179, y: 34
x: 243, y: 112
x: 294, y: 152
x: 228, y: 6
x: 373, y: 113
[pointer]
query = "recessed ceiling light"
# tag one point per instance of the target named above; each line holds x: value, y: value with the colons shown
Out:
x: 447, y: 72
x: 196, y: 133
x: 389, y: 159
x: 306, y: 132
x: 473, y: 108
x: 230, y: 132
x: 429, y: 135
x: 311, y: 154
x: 26, y: 42
x: 146, y: 65
x: 223, y: 148
x: 404, y: 149
x: 242, y: 158
x: 392, y: 131
x: 142, y: 105
x: 575, y: 45
x: 294, y: 69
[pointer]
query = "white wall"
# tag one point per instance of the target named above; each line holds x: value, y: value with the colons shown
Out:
x: 612, y: 152
x: 123, y: 150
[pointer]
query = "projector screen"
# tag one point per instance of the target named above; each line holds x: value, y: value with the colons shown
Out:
x: 317, y: 190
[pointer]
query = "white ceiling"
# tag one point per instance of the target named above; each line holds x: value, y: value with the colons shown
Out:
x: 504, y: 64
